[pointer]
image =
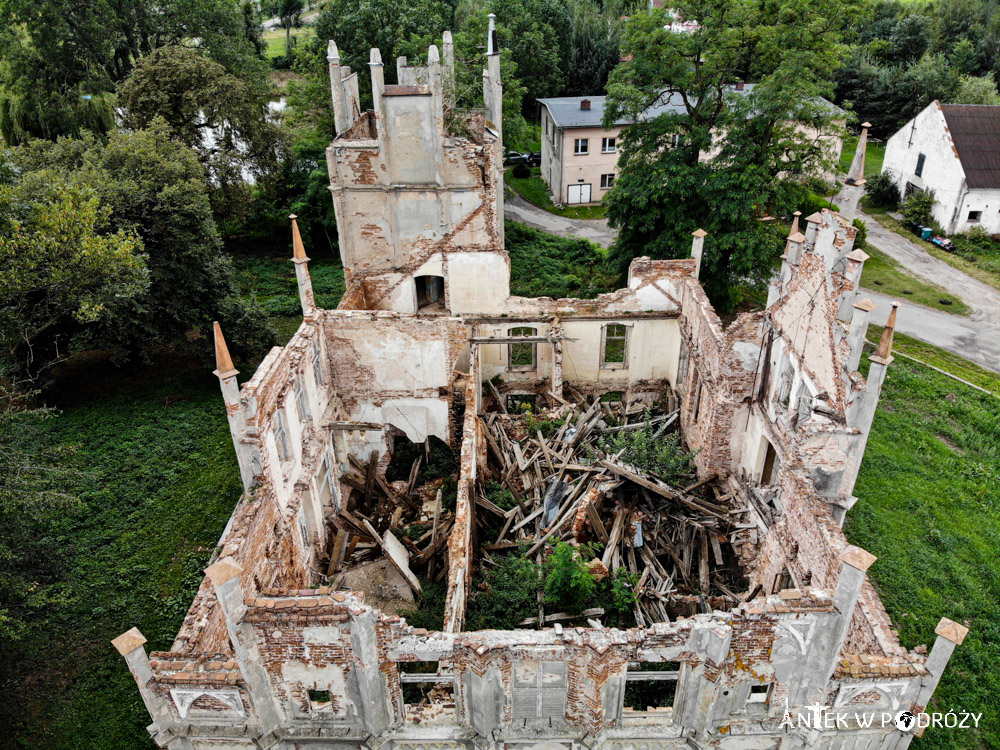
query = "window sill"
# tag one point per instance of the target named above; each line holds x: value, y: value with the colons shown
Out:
x: 613, y: 366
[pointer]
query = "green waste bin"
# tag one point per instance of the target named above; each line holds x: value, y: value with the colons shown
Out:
x: 925, y: 233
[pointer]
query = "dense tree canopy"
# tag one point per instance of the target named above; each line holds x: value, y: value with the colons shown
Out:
x: 55, y: 54
x: 764, y: 138
x: 62, y: 265
x: 154, y: 188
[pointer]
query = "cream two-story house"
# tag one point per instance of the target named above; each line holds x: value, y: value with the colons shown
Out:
x: 580, y: 156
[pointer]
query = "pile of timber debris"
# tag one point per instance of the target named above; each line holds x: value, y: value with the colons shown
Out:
x: 406, y: 521
x: 676, y: 540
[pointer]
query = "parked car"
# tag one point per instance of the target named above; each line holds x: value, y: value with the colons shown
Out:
x: 535, y: 159
x: 510, y: 158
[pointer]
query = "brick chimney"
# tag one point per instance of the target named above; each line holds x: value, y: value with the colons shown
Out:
x: 739, y: 85
x: 585, y: 104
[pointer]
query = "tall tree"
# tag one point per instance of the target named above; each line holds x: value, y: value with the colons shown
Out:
x: 680, y: 92
x: 220, y: 115
x: 289, y: 12
x: 63, y: 267
x: 56, y: 53
x: 155, y: 187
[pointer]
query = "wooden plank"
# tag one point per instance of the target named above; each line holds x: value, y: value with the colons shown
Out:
x: 703, y: 561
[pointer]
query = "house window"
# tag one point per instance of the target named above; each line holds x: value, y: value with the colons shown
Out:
x: 317, y: 363
x: 920, y: 165
x: 301, y: 403
x: 303, y: 530
x: 615, y: 345
x: 975, y: 215
x: 281, y: 436
x: 581, y: 146
x: 522, y: 355
x: 607, y: 180
x: 609, y: 145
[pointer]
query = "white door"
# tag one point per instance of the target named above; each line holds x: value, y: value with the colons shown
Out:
x: 579, y: 194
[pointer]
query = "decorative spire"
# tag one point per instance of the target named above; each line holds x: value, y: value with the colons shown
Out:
x: 492, y: 48
x: 885, y: 344
x: 223, y: 362
x: 298, y: 249
x: 856, y: 175
x: 795, y: 224
x: 332, y: 53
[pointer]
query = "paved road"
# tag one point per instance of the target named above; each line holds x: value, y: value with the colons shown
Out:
x: 517, y: 208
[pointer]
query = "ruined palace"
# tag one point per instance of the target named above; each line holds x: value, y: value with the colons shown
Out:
x: 295, y: 638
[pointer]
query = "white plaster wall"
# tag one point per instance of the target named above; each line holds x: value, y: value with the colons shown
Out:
x: 987, y: 201
x: 478, y: 282
x: 653, y: 351
x: 927, y: 134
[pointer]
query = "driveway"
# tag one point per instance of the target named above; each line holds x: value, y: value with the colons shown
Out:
x: 518, y: 209
x: 975, y: 337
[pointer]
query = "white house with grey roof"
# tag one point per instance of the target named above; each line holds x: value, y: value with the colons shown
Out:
x: 953, y: 150
x: 580, y: 156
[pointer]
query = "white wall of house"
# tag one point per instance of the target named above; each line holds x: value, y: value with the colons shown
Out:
x: 927, y: 134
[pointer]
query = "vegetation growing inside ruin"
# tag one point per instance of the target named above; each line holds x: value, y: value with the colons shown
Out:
x: 663, y: 457
x: 505, y: 594
x: 543, y: 265
x: 569, y: 583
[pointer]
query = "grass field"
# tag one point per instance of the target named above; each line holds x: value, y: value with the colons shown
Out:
x: 275, y: 39
x: 886, y: 275
x: 534, y: 190
x: 976, y: 271
x: 929, y: 509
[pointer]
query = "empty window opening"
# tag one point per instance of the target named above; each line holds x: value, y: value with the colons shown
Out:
x: 612, y: 397
x: 782, y: 581
x: 581, y: 146
x: 607, y: 181
x: 518, y: 403
x: 317, y: 363
x: 651, y: 685
x: 615, y: 345
x: 975, y: 215
x: 301, y: 402
x: 697, y: 398
x: 280, y: 432
x: 320, y: 700
x: 430, y: 292
x: 324, y: 480
x: 769, y: 471
x: 522, y: 356
x: 421, y: 683
x: 759, y: 693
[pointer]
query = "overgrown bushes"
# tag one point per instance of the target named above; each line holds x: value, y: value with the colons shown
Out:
x: 543, y: 265
x: 916, y: 209
x: 663, y: 457
x: 882, y: 191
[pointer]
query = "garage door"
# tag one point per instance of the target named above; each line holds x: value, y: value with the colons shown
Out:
x: 579, y: 194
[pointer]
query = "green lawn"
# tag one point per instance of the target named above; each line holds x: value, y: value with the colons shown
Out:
x: 275, y: 40
x: 929, y: 508
x: 874, y: 155
x: 159, y: 483
x: 534, y: 190
x: 982, y: 269
x: 886, y: 275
